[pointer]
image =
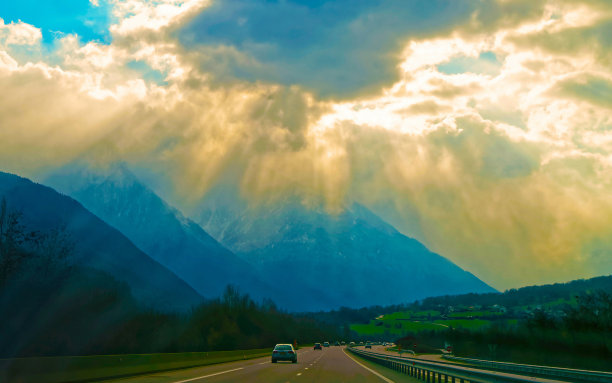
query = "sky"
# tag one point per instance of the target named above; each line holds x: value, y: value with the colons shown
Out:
x: 482, y: 128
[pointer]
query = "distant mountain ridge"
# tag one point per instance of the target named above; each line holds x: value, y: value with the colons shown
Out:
x: 98, y: 245
x: 119, y: 198
x: 352, y: 259
x: 325, y: 260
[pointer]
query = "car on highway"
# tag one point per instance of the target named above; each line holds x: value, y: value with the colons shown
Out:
x: 368, y: 345
x: 337, y: 343
x: 317, y: 346
x: 325, y: 344
x: 284, y: 352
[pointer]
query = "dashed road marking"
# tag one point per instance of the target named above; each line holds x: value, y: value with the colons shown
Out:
x: 209, y: 375
x: 299, y: 373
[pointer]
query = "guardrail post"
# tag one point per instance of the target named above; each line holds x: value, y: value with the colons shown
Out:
x: 428, y: 374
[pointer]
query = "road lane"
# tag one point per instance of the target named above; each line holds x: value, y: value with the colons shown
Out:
x: 328, y: 365
x: 209, y: 375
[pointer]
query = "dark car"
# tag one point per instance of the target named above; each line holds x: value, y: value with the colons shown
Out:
x: 368, y: 345
x: 284, y: 352
x: 326, y: 344
x: 317, y: 346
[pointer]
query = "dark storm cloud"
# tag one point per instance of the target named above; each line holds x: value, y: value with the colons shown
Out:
x: 334, y: 48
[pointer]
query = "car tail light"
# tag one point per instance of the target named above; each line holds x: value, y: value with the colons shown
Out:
x: 290, y: 352
x: 274, y: 352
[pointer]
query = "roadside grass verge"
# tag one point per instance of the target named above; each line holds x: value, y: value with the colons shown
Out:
x: 97, y: 367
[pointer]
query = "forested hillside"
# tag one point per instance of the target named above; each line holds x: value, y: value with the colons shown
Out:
x: 50, y: 306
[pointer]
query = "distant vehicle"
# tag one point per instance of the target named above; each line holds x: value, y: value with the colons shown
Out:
x: 317, y: 346
x: 352, y: 344
x: 343, y: 343
x: 368, y: 345
x: 326, y: 344
x: 337, y: 343
x: 284, y: 352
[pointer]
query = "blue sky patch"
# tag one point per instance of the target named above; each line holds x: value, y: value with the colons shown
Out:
x: 334, y: 48
x: 485, y: 63
x: 147, y: 73
x: 57, y: 18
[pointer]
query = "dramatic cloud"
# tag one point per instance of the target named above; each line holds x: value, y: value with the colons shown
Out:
x: 482, y: 128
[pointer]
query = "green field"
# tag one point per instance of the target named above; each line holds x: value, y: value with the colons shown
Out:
x: 407, y: 326
x: 464, y: 323
x: 475, y: 314
x: 98, y: 367
x: 403, y: 322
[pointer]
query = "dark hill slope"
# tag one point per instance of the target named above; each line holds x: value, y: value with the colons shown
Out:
x: 97, y: 245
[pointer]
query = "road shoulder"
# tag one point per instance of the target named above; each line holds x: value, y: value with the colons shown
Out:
x: 386, y: 374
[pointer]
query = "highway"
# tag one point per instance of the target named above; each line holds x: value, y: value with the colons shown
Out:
x: 332, y: 364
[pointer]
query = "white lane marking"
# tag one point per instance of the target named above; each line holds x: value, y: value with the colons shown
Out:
x: 299, y: 373
x: 208, y: 376
x: 369, y: 369
x: 306, y: 368
x: 263, y: 363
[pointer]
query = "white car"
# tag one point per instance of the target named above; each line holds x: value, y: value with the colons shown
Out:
x: 284, y: 352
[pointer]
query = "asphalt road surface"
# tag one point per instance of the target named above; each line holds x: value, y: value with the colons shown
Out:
x: 332, y: 364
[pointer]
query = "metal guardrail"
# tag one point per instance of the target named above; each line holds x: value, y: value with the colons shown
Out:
x: 443, y: 372
x: 552, y: 372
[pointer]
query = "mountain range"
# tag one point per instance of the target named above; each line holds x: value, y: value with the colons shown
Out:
x: 97, y: 245
x: 304, y: 258
x: 115, y: 195
x: 352, y: 258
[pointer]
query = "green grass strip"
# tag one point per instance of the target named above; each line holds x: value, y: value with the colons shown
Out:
x: 99, y: 367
